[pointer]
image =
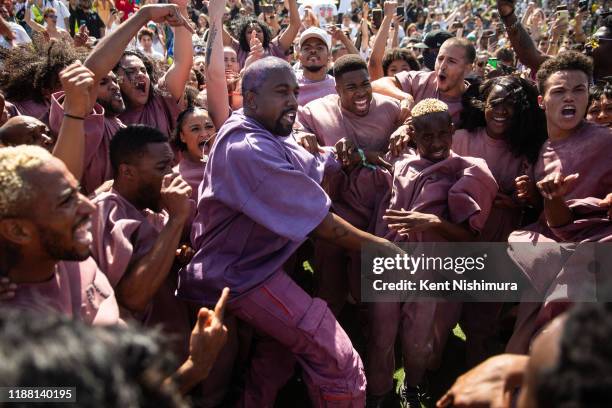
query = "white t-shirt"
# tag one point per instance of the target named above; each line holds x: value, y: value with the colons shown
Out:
x: 21, y: 36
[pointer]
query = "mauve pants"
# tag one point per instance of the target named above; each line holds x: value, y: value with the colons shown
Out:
x: 296, y: 327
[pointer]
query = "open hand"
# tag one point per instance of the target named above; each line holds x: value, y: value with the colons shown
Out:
x: 405, y: 222
x: 556, y: 185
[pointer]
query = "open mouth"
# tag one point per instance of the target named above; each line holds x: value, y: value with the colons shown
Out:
x: 568, y: 111
x: 140, y: 86
x: 362, y: 104
x: 289, y: 116
x: 441, y: 77
x: 82, y: 232
x: 117, y: 96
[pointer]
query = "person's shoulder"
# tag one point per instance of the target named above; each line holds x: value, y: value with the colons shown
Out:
x: 386, y: 101
x: 327, y: 101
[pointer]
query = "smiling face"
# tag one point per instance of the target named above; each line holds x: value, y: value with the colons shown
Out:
x: 499, y: 112
x: 565, y: 101
x: 355, y: 91
x: 451, y: 67
x: 314, y: 55
x: 433, y: 135
x: 274, y: 103
x: 198, y: 133
x: 135, y: 81
x: 600, y: 111
x: 109, y: 95
x: 61, y: 216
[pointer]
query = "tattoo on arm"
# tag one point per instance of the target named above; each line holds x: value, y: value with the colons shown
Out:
x: 209, y: 45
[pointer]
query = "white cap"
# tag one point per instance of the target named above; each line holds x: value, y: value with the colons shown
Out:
x: 315, y: 32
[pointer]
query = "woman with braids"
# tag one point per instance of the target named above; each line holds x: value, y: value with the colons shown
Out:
x: 254, y: 38
x: 505, y: 127
x: 31, y: 75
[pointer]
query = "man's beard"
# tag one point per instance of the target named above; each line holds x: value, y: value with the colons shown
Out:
x: 51, y: 243
x: 314, y: 68
x: 109, y: 109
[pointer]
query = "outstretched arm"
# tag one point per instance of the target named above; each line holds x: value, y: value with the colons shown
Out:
x: 218, y: 104
x: 389, y: 86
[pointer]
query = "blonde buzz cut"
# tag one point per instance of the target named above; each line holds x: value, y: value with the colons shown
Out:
x: 428, y: 106
x: 16, y: 190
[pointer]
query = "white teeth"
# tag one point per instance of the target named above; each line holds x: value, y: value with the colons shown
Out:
x: 83, y: 234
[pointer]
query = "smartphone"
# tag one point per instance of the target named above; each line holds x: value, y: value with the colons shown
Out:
x: 400, y: 11
x: 562, y: 13
x: 492, y: 62
x: 377, y: 17
x: 267, y: 9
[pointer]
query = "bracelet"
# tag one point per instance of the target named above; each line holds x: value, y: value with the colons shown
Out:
x: 364, y: 162
x: 67, y: 115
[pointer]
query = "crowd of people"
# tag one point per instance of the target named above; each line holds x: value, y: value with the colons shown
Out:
x: 186, y: 187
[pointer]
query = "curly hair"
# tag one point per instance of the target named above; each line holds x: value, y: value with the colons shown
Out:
x: 528, y: 131
x: 582, y: 376
x: 565, y: 61
x: 149, y: 64
x: 32, y: 71
x: 395, y: 54
x: 120, y: 366
x: 241, y: 28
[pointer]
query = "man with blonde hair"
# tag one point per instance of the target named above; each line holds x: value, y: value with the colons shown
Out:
x: 45, y: 234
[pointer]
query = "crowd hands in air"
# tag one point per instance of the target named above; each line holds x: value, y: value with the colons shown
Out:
x: 168, y: 170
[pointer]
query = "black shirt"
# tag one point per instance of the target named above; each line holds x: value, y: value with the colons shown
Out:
x: 89, y: 18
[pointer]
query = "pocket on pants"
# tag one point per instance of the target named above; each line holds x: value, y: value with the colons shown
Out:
x: 311, y: 321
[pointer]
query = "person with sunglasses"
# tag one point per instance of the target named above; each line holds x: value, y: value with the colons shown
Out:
x: 50, y: 27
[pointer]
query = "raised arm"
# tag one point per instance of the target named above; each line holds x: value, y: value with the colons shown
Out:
x: 109, y: 50
x: 380, y: 43
x: 77, y: 83
x: 228, y: 40
x: 33, y: 24
x: 178, y: 74
x: 218, y: 104
x: 338, y: 35
x: 286, y: 38
x: 521, y: 42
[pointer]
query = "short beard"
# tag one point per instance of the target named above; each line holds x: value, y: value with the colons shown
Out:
x: 50, y: 241
x: 314, y: 69
x: 109, y: 110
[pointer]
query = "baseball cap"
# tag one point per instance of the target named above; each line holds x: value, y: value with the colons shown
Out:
x: 435, y: 38
x: 315, y: 32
